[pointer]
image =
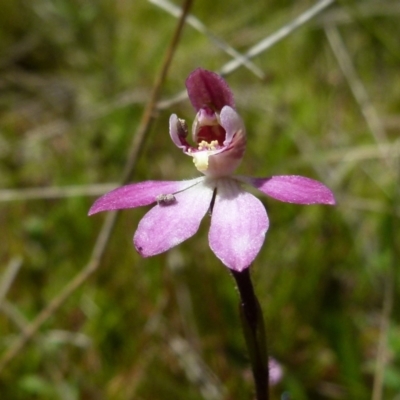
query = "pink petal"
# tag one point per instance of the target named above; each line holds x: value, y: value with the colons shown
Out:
x: 293, y: 189
x: 177, y: 132
x: 232, y: 123
x: 239, y: 223
x: 165, y: 226
x: 208, y: 89
x: 139, y: 194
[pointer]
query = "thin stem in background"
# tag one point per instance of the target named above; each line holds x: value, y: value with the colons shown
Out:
x: 9, y: 276
x: 254, y: 332
x: 110, y: 220
x: 369, y: 112
x: 55, y: 192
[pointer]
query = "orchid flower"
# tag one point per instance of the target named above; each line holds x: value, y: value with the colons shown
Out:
x: 239, y: 220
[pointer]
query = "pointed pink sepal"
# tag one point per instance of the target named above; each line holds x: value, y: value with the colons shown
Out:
x: 293, y: 189
x: 139, y: 194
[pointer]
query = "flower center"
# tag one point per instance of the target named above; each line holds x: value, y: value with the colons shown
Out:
x: 200, y: 157
x: 211, y: 133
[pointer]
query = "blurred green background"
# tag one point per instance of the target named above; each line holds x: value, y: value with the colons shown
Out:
x: 75, y: 76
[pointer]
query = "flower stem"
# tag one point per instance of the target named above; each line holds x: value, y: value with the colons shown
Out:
x: 254, y: 333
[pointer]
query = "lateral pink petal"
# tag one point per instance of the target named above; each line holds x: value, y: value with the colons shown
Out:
x: 165, y: 226
x: 239, y: 223
x: 208, y: 89
x: 293, y: 189
x: 139, y: 194
x: 233, y: 124
x: 177, y: 133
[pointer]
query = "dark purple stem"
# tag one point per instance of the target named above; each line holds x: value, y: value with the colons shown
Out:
x: 254, y: 333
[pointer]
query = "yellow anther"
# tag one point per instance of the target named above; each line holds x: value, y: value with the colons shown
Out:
x: 203, y: 145
x: 213, y: 145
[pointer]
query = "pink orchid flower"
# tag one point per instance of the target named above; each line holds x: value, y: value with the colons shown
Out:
x: 239, y: 220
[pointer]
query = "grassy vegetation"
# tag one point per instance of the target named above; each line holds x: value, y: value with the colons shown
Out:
x: 75, y: 77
